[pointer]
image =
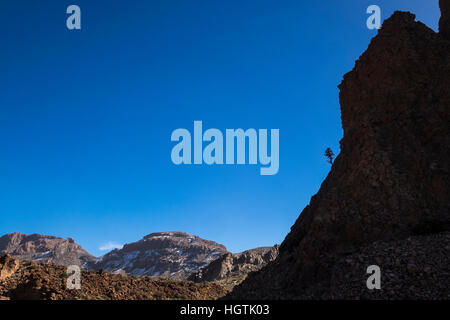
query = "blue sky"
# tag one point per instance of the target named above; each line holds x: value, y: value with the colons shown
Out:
x: 86, y: 116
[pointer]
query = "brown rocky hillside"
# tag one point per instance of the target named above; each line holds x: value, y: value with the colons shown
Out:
x: 26, y: 280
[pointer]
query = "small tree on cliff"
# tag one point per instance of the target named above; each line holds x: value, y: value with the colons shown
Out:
x: 330, y: 155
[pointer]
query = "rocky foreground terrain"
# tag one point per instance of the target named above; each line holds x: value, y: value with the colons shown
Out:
x: 24, y: 280
x: 386, y: 201
x: 414, y: 268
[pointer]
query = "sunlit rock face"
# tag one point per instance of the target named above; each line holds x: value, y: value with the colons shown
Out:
x: 170, y: 255
x: 44, y: 249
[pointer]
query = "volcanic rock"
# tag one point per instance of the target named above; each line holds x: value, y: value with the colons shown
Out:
x: 38, y: 281
x: 390, y: 181
x: 236, y: 265
x: 8, y: 265
x: 444, y: 22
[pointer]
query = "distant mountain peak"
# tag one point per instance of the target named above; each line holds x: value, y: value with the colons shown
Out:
x: 44, y: 249
x: 169, y: 233
x: 172, y: 255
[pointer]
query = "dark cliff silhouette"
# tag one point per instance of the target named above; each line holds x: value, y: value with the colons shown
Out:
x: 386, y: 199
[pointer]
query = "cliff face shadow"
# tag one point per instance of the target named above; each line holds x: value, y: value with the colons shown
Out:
x: 388, y: 192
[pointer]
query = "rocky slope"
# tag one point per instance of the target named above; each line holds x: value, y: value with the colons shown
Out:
x: 44, y: 249
x: 389, y: 183
x: 32, y: 281
x: 171, y: 255
x: 234, y: 267
x: 414, y: 268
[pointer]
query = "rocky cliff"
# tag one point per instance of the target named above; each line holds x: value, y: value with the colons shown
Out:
x: 232, y: 268
x: 171, y: 255
x: 389, y: 188
x: 44, y: 249
x: 444, y: 22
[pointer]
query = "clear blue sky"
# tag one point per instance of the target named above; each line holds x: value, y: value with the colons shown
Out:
x: 86, y: 116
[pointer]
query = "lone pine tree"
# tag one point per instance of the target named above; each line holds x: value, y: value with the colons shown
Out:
x: 330, y: 155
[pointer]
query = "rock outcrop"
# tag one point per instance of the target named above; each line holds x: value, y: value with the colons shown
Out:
x: 8, y: 265
x: 390, y: 181
x: 44, y: 249
x: 236, y: 265
x: 171, y: 255
x: 444, y: 22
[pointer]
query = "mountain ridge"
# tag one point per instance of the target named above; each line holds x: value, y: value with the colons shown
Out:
x: 171, y: 255
x: 44, y: 249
